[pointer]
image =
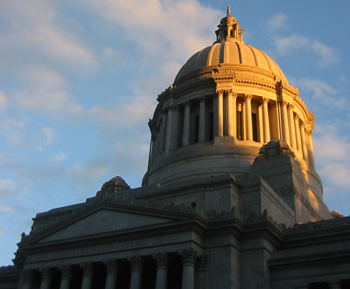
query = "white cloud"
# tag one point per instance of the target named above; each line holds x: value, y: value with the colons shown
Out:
x: 277, y: 22
x: 331, y: 148
x: 37, y: 35
x: 7, y: 186
x: 45, y: 92
x: 3, y: 100
x: 59, y: 157
x: 84, y: 173
x: 5, y: 209
x: 288, y: 45
x: 49, y: 134
x: 159, y: 26
x: 59, y: 46
x: 318, y: 89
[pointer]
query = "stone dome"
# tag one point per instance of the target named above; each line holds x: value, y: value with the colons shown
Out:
x: 229, y: 49
x: 235, y: 53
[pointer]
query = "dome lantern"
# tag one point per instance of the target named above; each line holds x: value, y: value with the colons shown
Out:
x: 228, y: 29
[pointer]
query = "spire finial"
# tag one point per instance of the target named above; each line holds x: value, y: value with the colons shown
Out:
x: 228, y: 11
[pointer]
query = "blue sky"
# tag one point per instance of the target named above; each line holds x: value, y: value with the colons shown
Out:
x: 79, y: 81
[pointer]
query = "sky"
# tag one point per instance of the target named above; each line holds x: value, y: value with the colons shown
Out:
x: 79, y: 80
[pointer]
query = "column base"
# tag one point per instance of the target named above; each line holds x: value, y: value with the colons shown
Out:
x: 219, y: 140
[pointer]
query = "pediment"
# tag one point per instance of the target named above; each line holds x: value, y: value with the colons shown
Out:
x: 104, y: 221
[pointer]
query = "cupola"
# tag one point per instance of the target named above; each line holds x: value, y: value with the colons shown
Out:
x: 226, y: 102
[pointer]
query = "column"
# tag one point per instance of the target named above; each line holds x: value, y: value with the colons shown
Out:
x: 244, y: 121
x: 201, y: 137
x: 46, y: 276
x: 219, y: 113
x: 27, y: 278
x: 88, y: 274
x: 231, y: 114
x: 175, y: 144
x: 291, y: 125
x: 303, y: 142
x: 297, y: 132
x: 186, y: 128
x: 163, y: 131
x: 66, y: 275
x: 248, y: 99
x: 234, y: 114
x: 310, y: 149
x: 162, y: 270
x: 266, y: 122
x: 285, y: 126
x: 169, y: 128
x: 188, y: 260
x: 136, y: 271
x: 112, y: 271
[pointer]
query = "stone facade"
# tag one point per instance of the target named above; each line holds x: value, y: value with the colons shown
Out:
x: 231, y: 198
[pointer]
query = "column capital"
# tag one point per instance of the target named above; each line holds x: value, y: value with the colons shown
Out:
x: 202, y: 263
x: 27, y: 275
x: 135, y: 263
x: 219, y: 91
x: 88, y: 269
x: 265, y: 99
x: 290, y: 105
x: 111, y: 265
x: 46, y: 273
x: 66, y: 271
x: 248, y: 96
x: 161, y: 260
x: 202, y: 98
x: 308, y: 131
x: 284, y: 102
x: 188, y: 257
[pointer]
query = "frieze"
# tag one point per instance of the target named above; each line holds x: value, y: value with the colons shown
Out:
x: 129, y: 201
x: 103, y: 248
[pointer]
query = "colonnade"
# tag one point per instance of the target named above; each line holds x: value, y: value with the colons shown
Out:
x: 193, y: 267
x: 243, y: 117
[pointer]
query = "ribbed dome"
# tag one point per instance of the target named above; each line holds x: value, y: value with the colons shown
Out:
x: 229, y: 49
x: 233, y: 53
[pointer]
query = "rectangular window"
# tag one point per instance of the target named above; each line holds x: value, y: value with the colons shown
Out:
x: 211, y: 126
x: 255, y: 127
x: 196, y: 129
x: 239, y: 126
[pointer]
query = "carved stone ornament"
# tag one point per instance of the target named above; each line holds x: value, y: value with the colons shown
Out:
x: 88, y: 269
x: 202, y: 263
x: 161, y: 260
x: 135, y: 263
x: 27, y: 276
x: 188, y: 257
x: 46, y: 273
x: 66, y: 272
x: 112, y: 266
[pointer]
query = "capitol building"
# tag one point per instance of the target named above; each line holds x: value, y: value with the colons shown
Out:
x: 230, y: 200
